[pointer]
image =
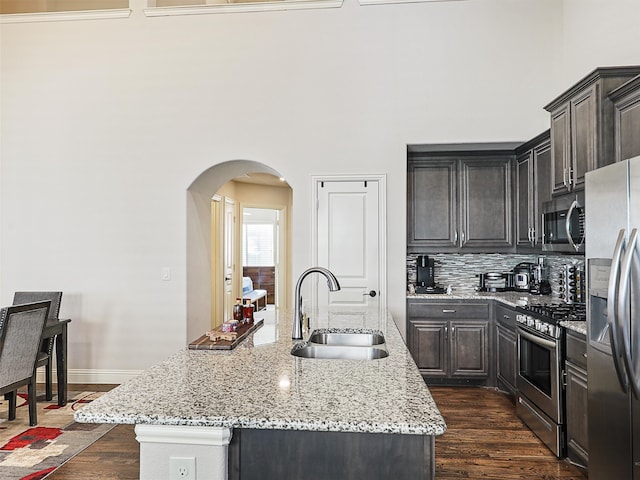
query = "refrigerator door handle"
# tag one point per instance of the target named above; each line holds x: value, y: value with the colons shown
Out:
x: 622, y: 305
x: 611, y: 312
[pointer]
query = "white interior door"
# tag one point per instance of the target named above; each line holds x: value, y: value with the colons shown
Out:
x: 229, y: 256
x: 350, y: 240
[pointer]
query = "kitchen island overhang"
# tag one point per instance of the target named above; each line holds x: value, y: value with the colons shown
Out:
x: 261, y: 386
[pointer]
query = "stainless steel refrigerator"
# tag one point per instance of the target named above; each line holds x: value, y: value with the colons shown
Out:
x: 612, y: 226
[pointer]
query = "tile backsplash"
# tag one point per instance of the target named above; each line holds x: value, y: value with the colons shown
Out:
x: 460, y: 269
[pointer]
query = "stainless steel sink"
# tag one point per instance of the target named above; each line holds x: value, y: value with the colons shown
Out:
x: 347, y: 339
x: 339, y: 352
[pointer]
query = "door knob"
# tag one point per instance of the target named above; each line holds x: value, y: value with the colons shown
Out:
x: 227, y: 279
x: 372, y: 293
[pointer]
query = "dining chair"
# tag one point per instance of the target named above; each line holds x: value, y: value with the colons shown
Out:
x: 21, y: 328
x: 45, y: 358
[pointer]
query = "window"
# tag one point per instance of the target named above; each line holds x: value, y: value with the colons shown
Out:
x: 259, y: 230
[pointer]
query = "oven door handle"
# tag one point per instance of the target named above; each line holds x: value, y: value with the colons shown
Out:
x: 543, y: 342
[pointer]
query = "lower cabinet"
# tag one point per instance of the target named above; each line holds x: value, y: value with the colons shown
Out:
x: 576, y: 398
x: 506, y: 350
x: 450, y: 342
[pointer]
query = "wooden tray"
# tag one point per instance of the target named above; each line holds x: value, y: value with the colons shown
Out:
x: 203, y: 342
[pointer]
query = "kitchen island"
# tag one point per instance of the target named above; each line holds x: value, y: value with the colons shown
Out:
x: 259, y: 412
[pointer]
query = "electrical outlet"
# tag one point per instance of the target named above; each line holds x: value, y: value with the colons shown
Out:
x: 182, y: 468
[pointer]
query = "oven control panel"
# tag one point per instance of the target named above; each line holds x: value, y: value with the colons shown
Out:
x: 554, y: 331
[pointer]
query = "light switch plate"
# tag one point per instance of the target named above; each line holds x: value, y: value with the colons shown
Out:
x: 182, y: 468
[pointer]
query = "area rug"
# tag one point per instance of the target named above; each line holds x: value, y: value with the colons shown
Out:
x: 31, y: 453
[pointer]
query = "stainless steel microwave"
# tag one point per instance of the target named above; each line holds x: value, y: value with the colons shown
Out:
x: 563, y: 224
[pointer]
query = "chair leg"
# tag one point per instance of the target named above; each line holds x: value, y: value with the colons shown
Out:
x: 48, y: 381
x: 31, y: 390
x: 11, y: 396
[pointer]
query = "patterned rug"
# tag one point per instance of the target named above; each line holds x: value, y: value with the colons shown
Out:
x: 31, y: 453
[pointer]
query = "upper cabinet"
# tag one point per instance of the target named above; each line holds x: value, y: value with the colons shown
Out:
x: 626, y: 104
x: 459, y: 201
x: 582, y: 127
x: 533, y: 188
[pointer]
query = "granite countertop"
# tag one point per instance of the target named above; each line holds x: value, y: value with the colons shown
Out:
x: 579, y: 327
x: 261, y: 385
x: 512, y: 299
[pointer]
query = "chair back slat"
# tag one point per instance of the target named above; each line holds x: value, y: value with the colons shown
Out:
x: 21, y: 329
x: 30, y: 297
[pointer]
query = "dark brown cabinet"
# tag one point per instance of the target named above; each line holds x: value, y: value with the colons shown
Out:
x: 576, y: 398
x: 450, y: 342
x: 626, y: 100
x: 506, y: 350
x: 461, y: 201
x: 582, y: 127
x: 533, y: 188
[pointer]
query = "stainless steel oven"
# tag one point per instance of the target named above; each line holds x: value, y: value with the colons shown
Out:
x: 540, y: 402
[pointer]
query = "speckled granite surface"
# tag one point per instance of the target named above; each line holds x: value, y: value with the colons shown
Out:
x: 580, y: 327
x: 513, y: 299
x: 261, y: 385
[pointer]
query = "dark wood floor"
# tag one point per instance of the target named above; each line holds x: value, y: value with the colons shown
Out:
x: 484, y: 440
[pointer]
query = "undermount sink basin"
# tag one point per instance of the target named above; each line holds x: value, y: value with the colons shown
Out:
x: 347, y: 339
x: 339, y: 352
x: 345, y: 344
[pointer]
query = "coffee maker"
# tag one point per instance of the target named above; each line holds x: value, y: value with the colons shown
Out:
x: 425, y: 276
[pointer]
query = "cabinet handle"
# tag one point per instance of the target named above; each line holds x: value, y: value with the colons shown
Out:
x: 462, y: 238
x: 506, y: 316
x: 564, y: 177
x: 448, y: 311
x: 453, y: 332
x: 455, y: 238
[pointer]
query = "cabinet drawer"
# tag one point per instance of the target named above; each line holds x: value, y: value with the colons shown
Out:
x: 506, y: 316
x: 577, y: 349
x: 448, y: 310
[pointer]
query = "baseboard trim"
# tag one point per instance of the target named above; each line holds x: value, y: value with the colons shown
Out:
x: 93, y: 376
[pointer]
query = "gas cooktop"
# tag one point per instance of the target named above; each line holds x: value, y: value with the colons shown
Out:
x: 555, y: 312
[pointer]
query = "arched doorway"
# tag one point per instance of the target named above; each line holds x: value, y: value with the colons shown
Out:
x: 199, y: 237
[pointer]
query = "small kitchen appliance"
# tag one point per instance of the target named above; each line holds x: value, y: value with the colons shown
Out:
x: 495, y: 282
x: 425, y: 276
x: 540, y: 285
x: 523, y: 276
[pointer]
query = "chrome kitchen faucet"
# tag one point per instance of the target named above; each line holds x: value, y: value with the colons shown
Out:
x: 333, y: 284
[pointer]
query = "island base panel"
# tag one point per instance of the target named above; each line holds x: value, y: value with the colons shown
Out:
x: 279, y: 454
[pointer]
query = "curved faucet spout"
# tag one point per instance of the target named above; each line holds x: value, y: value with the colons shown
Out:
x: 332, y: 283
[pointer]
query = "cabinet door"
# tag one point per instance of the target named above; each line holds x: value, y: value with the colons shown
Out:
x: 583, y: 136
x: 627, y: 126
x: 542, y: 186
x: 560, y: 148
x: 469, y: 349
x: 577, y: 415
x: 486, y: 203
x: 523, y: 200
x: 431, y: 204
x: 507, y: 352
x: 429, y: 346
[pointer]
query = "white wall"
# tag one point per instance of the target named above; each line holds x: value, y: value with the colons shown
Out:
x: 106, y: 123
